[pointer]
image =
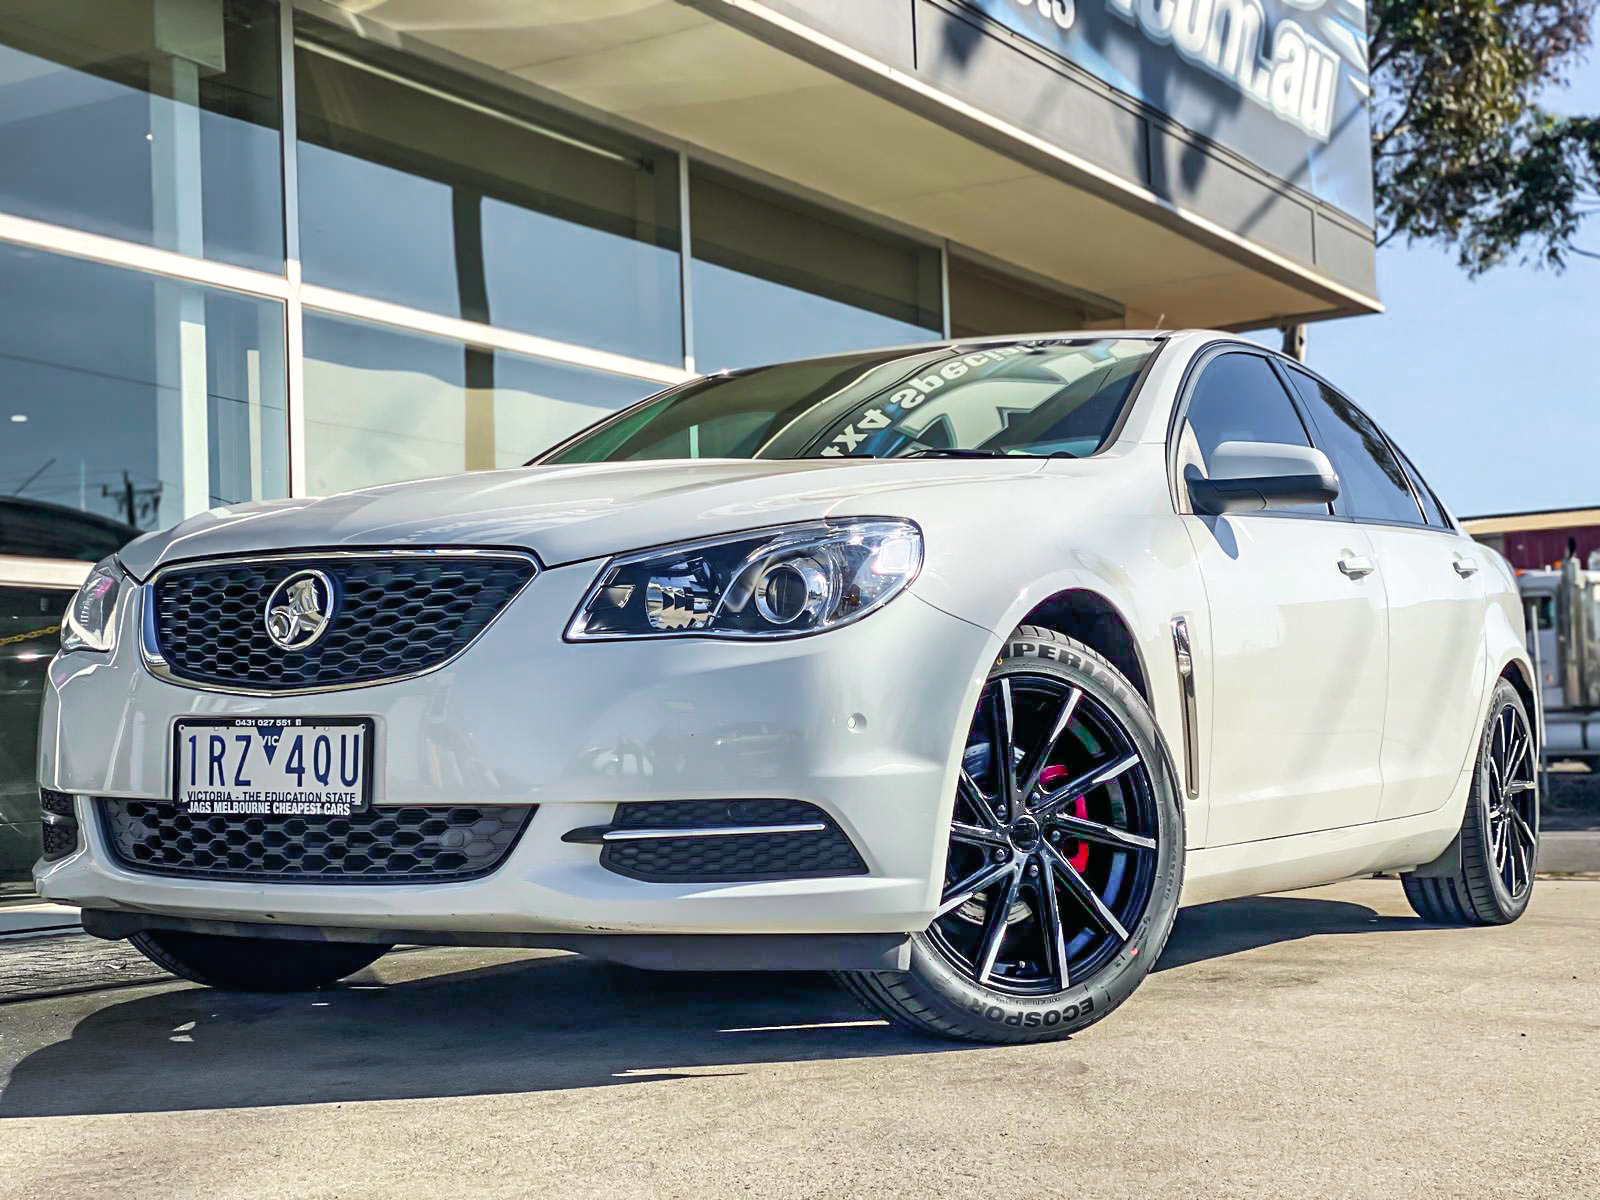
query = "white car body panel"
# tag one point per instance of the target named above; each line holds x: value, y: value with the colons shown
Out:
x: 1293, y: 675
x: 1435, y: 691
x: 1298, y: 661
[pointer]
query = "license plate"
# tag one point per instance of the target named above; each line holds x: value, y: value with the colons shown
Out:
x: 273, y: 766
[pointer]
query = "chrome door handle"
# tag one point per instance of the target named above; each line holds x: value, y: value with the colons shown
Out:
x: 1464, y: 566
x: 1357, y: 565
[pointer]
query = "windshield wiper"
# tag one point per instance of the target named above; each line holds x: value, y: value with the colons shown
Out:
x: 953, y: 452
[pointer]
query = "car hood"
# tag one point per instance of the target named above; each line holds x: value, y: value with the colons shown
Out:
x: 562, y: 514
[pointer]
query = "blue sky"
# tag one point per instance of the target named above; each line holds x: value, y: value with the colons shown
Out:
x: 1492, y: 385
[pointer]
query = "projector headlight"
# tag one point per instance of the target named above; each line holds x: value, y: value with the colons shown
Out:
x: 91, y: 620
x: 775, y: 583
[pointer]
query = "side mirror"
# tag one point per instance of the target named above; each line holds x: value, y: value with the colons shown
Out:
x: 1249, y: 476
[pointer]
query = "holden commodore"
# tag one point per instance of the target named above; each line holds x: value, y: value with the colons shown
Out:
x: 953, y: 669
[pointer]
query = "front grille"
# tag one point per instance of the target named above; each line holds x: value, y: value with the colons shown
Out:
x: 733, y: 858
x: 394, y: 615
x: 379, y: 845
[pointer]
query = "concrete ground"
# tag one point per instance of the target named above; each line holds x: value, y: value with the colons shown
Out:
x: 1321, y: 1043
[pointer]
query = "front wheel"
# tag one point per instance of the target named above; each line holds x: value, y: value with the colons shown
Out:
x: 1065, y: 857
x: 250, y: 964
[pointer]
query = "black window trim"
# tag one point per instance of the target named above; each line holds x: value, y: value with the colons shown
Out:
x: 1203, y: 358
x: 1281, y: 364
x: 1285, y: 365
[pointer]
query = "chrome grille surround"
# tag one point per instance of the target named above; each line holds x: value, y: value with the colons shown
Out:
x: 444, y: 600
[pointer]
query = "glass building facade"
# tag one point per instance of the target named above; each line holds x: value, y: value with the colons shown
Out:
x: 246, y: 254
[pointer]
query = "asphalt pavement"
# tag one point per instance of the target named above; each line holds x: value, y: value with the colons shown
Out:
x: 1320, y: 1043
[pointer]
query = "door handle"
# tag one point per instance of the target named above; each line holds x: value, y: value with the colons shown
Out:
x: 1464, y: 566
x: 1357, y: 565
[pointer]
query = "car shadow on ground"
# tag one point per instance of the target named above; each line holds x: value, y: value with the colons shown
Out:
x: 416, y: 1028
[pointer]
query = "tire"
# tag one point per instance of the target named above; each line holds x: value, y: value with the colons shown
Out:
x: 980, y: 997
x: 1483, y: 879
x: 248, y: 964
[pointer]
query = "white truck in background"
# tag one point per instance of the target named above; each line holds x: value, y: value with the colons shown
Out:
x: 1563, y: 615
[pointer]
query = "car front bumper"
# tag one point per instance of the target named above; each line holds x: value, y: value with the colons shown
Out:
x: 866, y: 722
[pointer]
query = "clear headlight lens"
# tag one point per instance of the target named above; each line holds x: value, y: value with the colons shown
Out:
x: 91, y: 620
x: 776, y: 583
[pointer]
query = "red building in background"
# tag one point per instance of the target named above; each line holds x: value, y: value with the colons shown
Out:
x: 1539, y: 539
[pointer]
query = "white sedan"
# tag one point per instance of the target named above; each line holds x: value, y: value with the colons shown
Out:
x: 955, y: 669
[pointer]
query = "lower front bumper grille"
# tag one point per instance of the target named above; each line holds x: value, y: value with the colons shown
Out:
x: 378, y: 846
x: 715, y: 841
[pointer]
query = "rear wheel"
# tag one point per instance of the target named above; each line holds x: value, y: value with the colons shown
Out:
x: 1064, y: 862
x: 247, y: 964
x: 1486, y: 878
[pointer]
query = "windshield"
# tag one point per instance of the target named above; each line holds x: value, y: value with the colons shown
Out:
x: 1057, y: 396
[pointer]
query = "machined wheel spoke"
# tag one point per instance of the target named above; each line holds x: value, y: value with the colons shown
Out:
x: 974, y: 796
x: 959, y: 893
x: 1005, y: 742
x: 1055, y: 933
x: 1089, y: 779
x: 1106, y: 835
x: 998, y: 921
x: 1517, y: 786
x: 1518, y: 752
x: 1523, y: 828
x: 1042, y: 758
x: 973, y: 835
x: 1085, y: 894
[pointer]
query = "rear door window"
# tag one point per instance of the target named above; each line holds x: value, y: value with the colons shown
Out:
x: 1372, y: 484
x: 1431, y: 508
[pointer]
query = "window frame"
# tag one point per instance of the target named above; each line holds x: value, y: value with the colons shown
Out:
x: 1202, y: 359
x: 1422, y: 521
x: 1282, y: 365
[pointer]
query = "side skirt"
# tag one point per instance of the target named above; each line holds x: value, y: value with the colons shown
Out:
x: 1310, y: 859
x: 656, y: 952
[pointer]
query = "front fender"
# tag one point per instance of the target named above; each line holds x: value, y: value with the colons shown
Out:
x: 1142, y: 567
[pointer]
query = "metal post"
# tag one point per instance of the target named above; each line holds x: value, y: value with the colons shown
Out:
x: 1294, y: 341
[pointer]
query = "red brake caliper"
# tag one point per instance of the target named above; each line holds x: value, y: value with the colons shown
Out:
x: 1048, y: 778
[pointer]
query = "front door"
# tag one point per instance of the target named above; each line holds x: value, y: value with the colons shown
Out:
x: 1298, y: 650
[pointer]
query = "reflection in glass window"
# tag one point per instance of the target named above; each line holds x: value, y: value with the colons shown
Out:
x: 984, y: 301
x: 137, y: 399
x: 383, y: 405
x: 30, y: 631
x: 440, y: 195
x: 775, y: 278
x: 148, y: 120
x: 1372, y: 487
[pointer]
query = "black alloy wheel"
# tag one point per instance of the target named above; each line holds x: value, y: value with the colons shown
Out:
x: 1486, y: 876
x: 1064, y: 858
x: 1053, y: 843
x: 1512, y: 800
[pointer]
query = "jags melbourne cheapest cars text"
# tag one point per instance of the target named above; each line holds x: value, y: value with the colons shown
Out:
x: 953, y: 669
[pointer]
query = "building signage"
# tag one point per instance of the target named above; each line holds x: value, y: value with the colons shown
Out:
x: 1281, y: 82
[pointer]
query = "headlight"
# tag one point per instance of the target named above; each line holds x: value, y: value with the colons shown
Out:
x: 91, y: 620
x: 775, y: 583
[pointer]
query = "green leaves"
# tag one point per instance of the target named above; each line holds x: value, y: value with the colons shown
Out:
x: 1463, y: 153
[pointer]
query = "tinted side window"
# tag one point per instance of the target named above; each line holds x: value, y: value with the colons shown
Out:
x: 1431, y: 507
x: 1239, y: 399
x: 1372, y: 487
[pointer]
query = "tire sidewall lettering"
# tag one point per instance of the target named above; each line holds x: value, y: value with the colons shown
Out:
x: 1032, y: 1018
